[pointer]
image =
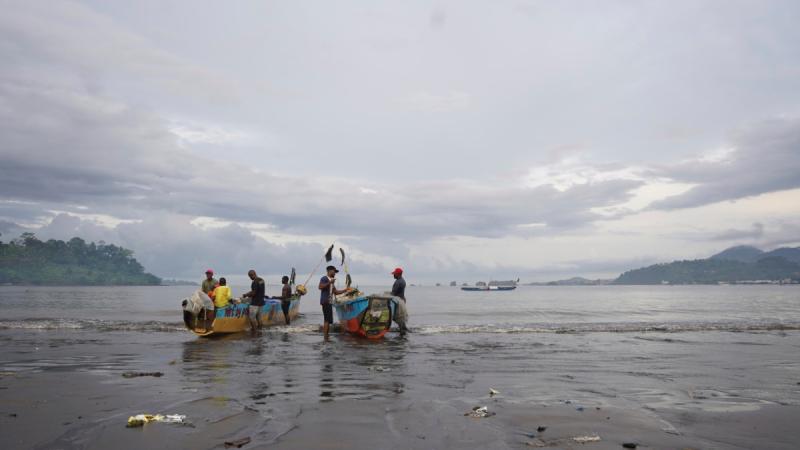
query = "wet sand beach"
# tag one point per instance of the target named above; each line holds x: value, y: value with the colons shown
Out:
x: 83, y: 410
x: 697, y: 386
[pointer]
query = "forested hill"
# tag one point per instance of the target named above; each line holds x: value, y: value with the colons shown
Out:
x: 29, y: 261
x: 712, y: 271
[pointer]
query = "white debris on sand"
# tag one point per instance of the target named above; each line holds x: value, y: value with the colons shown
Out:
x: 586, y: 439
x: 480, y: 412
x: 142, y: 419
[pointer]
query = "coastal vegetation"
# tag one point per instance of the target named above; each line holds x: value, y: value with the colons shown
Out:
x: 715, y: 270
x: 27, y: 260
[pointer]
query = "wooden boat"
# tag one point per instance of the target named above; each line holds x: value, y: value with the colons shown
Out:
x: 234, y: 317
x: 488, y: 288
x: 368, y: 316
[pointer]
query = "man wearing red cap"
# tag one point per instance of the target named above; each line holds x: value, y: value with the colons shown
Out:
x: 399, y: 290
x: 209, y: 283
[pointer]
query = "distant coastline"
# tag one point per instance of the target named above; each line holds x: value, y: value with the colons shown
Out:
x: 739, y: 265
x: 736, y: 265
x: 28, y: 261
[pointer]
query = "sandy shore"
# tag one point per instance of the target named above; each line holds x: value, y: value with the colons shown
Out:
x: 76, y: 409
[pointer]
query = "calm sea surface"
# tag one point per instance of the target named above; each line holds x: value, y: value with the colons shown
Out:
x: 715, y: 348
x: 441, y: 309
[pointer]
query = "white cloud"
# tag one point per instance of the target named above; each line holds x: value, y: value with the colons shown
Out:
x: 424, y: 101
x: 214, y: 135
x: 573, y: 170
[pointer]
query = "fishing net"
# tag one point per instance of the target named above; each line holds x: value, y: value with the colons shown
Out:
x: 197, y: 302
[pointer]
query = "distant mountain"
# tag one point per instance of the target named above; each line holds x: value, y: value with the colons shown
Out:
x: 713, y: 271
x: 749, y: 254
x: 29, y: 261
x: 574, y: 281
x: 742, y: 253
x: 789, y: 253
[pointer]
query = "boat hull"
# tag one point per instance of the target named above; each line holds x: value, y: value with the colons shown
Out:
x: 234, y: 318
x: 366, y: 316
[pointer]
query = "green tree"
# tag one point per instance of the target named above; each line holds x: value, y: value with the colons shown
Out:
x: 27, y: 260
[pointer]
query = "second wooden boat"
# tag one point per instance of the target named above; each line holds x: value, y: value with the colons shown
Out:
x: 368, y: 316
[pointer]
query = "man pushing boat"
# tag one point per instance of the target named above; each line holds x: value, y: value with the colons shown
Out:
x: 256, y: 294
x: 399, y: 290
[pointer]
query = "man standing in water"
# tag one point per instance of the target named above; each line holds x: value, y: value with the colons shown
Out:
x: 256, y: 294
x: 209, y: 283
x: 326, y: 291
x: 286, y: 297
x: 399, y: 290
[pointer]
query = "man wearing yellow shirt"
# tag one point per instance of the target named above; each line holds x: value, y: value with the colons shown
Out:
x: 221, y: 294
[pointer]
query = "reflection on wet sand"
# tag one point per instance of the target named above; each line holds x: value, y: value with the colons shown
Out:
x: 277, y: 365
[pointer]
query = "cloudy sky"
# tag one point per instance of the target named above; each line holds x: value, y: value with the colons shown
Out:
x: 462, y: 140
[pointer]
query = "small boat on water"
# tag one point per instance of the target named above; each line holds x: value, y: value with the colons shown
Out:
x: 368, y: 316
x: 488, y: 288
x: 200, y: 316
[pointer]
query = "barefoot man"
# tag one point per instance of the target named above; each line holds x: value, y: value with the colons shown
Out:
x: 326, y: 292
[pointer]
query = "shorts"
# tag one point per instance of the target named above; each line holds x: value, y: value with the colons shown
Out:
x: 327, y: 312
x: 254, y: 312
x: 285, y: 308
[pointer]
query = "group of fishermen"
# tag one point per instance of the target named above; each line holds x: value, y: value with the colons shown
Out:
x: 220, y: 294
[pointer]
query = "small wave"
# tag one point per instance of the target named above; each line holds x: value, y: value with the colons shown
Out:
x: 576, y: 328
x: 294, y: 329
x: 95, y: 325
x: 302, y: 328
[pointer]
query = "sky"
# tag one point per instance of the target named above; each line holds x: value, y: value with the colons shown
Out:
x: 460, y: 140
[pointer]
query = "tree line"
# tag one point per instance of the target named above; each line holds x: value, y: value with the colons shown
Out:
x: 28, y: 260
x: 711, y: 271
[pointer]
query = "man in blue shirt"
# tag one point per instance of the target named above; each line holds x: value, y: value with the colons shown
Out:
x: 326, y: 291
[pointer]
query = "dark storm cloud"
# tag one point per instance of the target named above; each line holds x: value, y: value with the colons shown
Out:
x: 64, y: 42
x: 756, y: 231
x: 80, y: 149
x: 9, y: 230
x: 389, y: 125
x: 764, y: 158
x: 171, y: 246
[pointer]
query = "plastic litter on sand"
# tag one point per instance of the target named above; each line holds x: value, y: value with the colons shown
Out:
x: 585, y: 439
x: 480, y: 412
x: 142, y: 419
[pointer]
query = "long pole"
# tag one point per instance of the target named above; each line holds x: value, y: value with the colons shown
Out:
x: 317, y: 267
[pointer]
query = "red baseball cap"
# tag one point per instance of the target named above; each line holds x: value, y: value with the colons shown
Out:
x: 397, y: 271
x: 210, y: 271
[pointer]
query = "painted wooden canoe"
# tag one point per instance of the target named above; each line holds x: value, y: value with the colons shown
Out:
x: 368, y: 316
x: 233, y: 318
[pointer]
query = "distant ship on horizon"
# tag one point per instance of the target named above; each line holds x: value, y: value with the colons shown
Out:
x: 506, y: 285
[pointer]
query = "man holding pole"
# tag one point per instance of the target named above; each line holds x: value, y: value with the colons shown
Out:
x: 327, y: 290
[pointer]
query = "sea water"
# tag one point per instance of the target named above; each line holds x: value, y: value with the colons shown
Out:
x: 712, y: 348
